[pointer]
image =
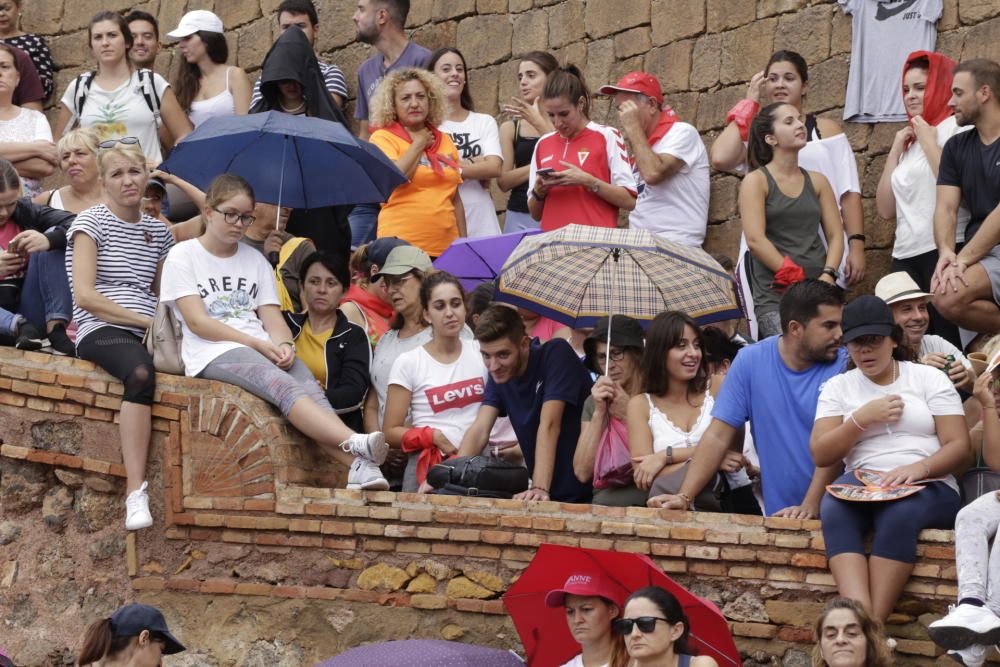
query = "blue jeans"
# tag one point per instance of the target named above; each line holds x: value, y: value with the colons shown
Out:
x: 363, y: 220
x: 45, y: 296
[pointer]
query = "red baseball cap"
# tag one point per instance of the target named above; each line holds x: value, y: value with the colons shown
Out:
x: 636, y: 82
x: 586, y: 584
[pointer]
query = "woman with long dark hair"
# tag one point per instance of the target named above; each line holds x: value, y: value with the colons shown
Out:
x: 204, y: 84
x: 580, y: 173
x: 519, y: 135
x: 902, y: 422
x: 476, y: 138
x: 667, y: 421
x: 783, y: 207
x: 118, y: 100
x: 656, y: 631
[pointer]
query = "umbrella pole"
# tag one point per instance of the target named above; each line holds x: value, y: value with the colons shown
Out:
x: 274, y: 257
x: 615, y: 254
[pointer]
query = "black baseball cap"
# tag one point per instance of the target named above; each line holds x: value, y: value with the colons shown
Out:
x: 626, y: 332
x: 131, y: 620
x: 867, y: 315
x: 379, y: 249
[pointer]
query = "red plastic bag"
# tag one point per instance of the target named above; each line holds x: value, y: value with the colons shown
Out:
x: 613, y: 462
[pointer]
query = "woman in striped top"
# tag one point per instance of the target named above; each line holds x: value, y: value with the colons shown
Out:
x: 114, y: 261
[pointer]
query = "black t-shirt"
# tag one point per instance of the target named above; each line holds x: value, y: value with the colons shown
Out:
x: 969, y: 164
x: 554, y: 373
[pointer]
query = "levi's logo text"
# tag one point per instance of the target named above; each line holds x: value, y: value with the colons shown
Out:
x: 456, y: 395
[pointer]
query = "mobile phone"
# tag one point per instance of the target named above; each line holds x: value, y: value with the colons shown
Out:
x: 545, y: 171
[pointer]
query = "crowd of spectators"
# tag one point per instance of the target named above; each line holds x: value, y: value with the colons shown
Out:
x: 337, y: 317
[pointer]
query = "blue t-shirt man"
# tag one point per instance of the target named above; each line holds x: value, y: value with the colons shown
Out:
x: 780, y: 405
x: 373, y: 70
x: 553, y: 373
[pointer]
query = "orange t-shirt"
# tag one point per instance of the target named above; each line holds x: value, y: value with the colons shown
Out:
x: 422, y: 211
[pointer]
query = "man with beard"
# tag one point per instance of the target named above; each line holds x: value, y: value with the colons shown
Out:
x: 775, y: 385
x: 966, y: 284
x: 145, y: 39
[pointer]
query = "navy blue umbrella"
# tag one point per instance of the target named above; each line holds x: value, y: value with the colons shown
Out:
x: 289, y: 160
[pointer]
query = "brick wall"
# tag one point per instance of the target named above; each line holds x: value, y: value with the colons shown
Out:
x: 704, y: 52
x: 252, y: 531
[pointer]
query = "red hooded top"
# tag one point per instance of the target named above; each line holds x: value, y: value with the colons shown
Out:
x: 938, y: 90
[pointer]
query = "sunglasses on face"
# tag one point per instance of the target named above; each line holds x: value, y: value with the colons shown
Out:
x: 646, y: 624
x: 110, y: 143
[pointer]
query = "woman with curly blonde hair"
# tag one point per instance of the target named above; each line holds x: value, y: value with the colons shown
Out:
x: 427, y: 212
x: 848, y: 636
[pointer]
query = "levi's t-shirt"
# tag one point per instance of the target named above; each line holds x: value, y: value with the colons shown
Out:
x: 443, y: 396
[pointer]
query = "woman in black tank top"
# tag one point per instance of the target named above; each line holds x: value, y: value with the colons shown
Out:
x: 519, y: 136
x: 786, y: 79
x: 656, y: 631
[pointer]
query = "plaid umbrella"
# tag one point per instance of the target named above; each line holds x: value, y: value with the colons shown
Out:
x: 578, y: 274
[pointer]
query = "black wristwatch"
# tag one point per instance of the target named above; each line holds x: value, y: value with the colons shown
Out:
x: 832, y: 272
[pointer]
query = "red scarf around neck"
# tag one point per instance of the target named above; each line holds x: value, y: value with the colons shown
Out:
x: 435, y: 158
x: 666, y: 121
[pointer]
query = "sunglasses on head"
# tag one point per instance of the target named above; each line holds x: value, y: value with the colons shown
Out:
x: 646, y: 624
x: 110, y: 143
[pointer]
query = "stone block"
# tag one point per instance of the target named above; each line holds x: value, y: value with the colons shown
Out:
x: 713, y: 106
x: 685, y: 104
x: 983, y: 41
x: 600, y: 61
x: 336, y: 27
x: 632, y: 42
x: 485, y: 579
x: 436, y: 35
x: 238, y: 12
x: 727, y: 14
x: 515, y: 6
x: 566, y: 23
x: 530, y: 32
x: 253, y: 42
x: 706, y: 60
x: 383, y: 577
x: 745, y: 50
x: 771, y: 7
x: 462, y: 587
x: 572, y: 53
x: 827, y: 84
x: 951, y: 43
x: 723, y: 198
x: 840, y: 33
x: 42, y: 17
x: 807, y: 32
x: 491, y: 6
x: 422, y: 583
x: 70, y: 50
x: 606, y: 17
x: 975, y: 11
x: 452, y: 9
x: 56, y: 507
x: 478, y: 51
x: 671, y: 64
x: 676, y: 19
x: 9, y: 532
x: 949, y: 16
x: 724, y: 238
x: 871, y: 174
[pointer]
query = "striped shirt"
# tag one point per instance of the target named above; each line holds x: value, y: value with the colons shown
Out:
x: 128, y: 255
x: 333, y: 79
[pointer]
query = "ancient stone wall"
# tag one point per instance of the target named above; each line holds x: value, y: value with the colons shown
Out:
x: 258, y: 558
x: 703, y: 51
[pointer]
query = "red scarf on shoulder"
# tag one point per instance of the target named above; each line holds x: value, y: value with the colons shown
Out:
x: 435, y: 158
x: 666, y: 121
x: 938, y: 90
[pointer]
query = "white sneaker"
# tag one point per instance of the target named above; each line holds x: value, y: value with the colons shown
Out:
x: 137, y: 509
x: 366, y: 476
x: 371, y: 446
x: 965, y: 625
x: 973, y: 655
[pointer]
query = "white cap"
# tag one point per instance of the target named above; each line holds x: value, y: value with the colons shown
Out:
x: 196, y: 21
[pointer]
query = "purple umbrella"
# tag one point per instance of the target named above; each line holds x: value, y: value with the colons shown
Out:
x: 478, y: 260
x: 424, y: 653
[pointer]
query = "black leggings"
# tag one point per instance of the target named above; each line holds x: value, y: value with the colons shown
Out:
x: 122, y: 354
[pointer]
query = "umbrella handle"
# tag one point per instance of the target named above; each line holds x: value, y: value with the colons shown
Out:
x: 615, y: 254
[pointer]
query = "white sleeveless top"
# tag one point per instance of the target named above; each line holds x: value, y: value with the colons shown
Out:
x: 667, y: 434
x: 223, y: 104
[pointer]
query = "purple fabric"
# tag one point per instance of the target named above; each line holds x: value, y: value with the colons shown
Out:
x: 479, y: 259
x: 424, y: 653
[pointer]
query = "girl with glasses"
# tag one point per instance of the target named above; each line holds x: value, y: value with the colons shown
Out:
x: 225, y: 296
x: 656, y: 631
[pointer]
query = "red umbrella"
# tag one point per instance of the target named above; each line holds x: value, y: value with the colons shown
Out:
x: 544, y: 631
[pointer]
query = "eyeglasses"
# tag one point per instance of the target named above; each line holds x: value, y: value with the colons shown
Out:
x: 111, y: 143
x: 234, y: 218
x: 396, y: 281
x: 617, y: 354
x: 646, y: 624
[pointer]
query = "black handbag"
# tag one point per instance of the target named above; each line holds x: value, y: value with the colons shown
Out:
x: 978, y: 481
x: 486, y: 476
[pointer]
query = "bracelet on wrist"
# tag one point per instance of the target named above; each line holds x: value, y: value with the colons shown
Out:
x: 289, y: 343
x: 856, y: 237
x: 535, y: 487
x: 856, y: 422
x: 670, y: 454
x: 538, y: 197
x: 832, y: 272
